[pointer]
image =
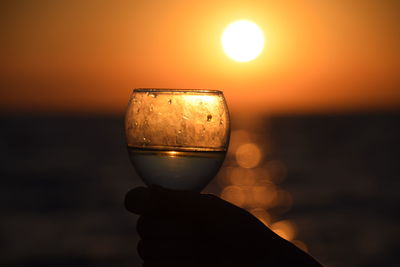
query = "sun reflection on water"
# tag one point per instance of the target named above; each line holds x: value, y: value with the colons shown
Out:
x: 250, y: 180
x: 248, y: 155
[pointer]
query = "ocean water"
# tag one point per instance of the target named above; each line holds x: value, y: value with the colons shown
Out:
x: 63, y: 182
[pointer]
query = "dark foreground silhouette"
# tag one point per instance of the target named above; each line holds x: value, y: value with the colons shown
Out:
x: 180, y: 228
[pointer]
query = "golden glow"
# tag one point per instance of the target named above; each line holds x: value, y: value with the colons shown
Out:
x: 300, y: 245
x: 306, y: 48
x: 248, y: 155
x: 262, y: 215
x: 242, y: 177
x: 238, y: 137
x: 242, y: 40
x: 195, y: 100
x: 177, y: 119
x: 284, y: 229
x: 234, y: 194
x: 263, y: 196
x: 172, y: 153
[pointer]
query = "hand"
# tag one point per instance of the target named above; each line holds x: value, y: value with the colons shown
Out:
x: 182, y: 228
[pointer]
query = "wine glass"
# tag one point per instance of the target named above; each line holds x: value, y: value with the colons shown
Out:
x: 177, y: 138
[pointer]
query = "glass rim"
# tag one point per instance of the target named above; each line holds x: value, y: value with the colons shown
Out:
x: 171, y: 90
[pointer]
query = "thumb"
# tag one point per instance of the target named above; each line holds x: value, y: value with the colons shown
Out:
x: 158, y: 201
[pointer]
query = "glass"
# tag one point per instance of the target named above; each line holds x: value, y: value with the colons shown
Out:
x: 177, y: 138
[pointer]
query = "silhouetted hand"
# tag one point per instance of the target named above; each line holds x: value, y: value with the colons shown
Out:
x: 181, y: 228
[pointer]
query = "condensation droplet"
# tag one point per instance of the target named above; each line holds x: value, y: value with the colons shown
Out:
x: 209, y: 117
x: 152, y: 95
x: 146, y: 141
x: 136, y: 124
x: 203, y: 131
x: 170, y: 101
x: 180, y: 131
x: 221, y: 122
x: 151, y: 107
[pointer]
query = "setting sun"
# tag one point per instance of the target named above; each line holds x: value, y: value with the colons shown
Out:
x: 242, y: 40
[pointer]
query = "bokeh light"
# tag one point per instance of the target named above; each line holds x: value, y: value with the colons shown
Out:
x: 300, y: 244
x: 250, y: 178
x: 238, y: 137
x: 284, y: 229
x: 263, y: 196
x: 242, y: 177
x: 327, y: 69
x: 234, y: 195
x: 262, y: 215
x: 248, y: 155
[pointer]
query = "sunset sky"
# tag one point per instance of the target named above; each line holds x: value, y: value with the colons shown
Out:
x: 85, y: 56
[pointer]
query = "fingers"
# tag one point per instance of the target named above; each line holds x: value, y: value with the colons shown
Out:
x: 157, y: 201
x: 136, y: 200
x: 167, y: 242
x: 206, y: 214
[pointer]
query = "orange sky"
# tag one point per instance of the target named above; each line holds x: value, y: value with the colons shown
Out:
x: 85, y: 56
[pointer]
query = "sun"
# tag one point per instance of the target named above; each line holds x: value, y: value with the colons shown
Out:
x: 242, y: 40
